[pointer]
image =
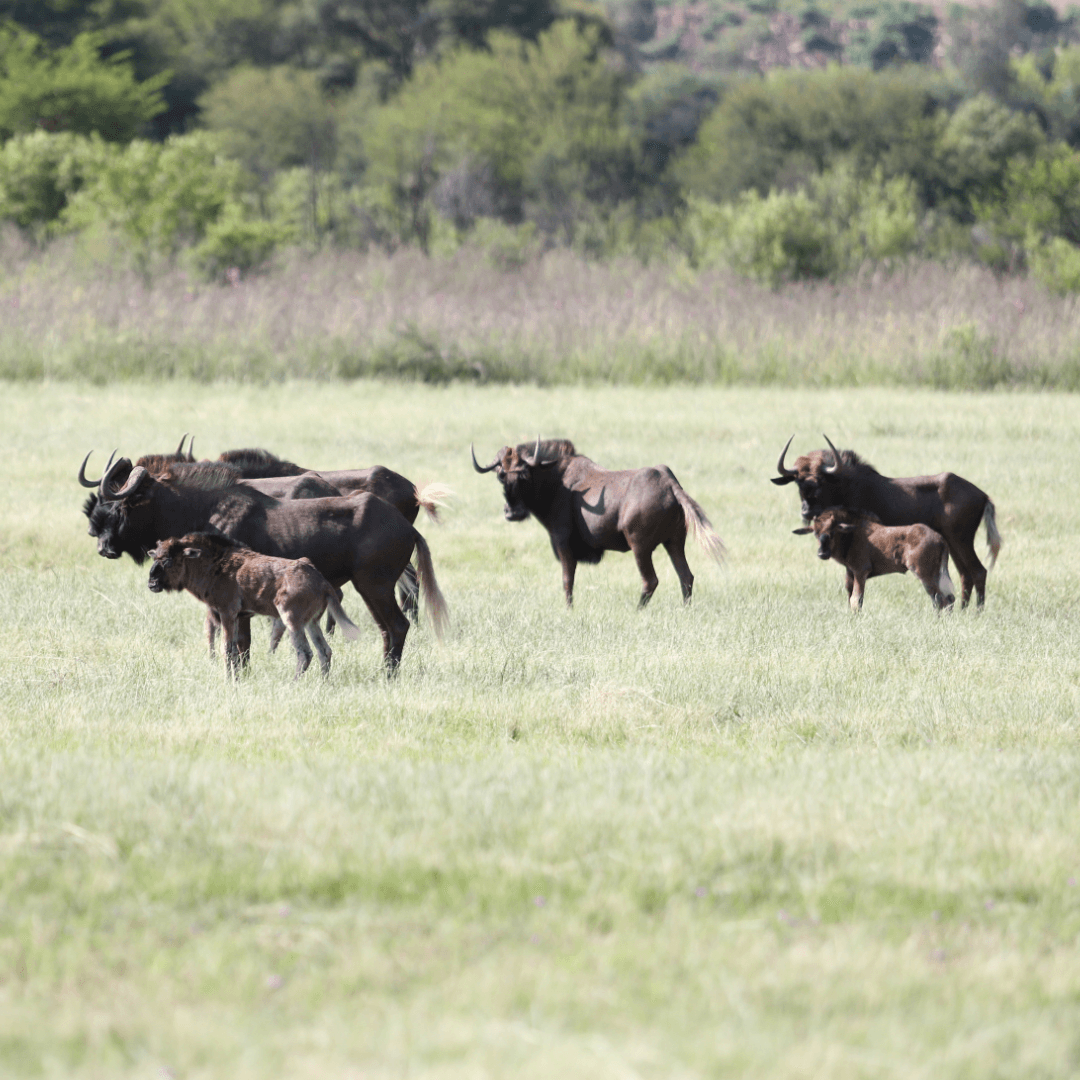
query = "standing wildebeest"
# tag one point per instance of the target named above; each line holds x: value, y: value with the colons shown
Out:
x: 232, y: 579
x: 359, y: 538
x: 948, y: 503
x: 866, y: 549
x: 588, y: 510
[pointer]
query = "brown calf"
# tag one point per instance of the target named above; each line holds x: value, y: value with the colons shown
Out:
x: 866, y: 549
x: 232, y: 580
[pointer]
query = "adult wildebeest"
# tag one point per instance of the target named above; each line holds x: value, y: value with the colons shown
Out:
x: 282, y: 479
x: 866, y: 549
x: 232, y: 579
x: 588, y: 510
x: 948, y: 503
x: 359, y: 538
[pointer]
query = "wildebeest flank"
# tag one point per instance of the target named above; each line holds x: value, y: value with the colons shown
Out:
x: 866, y: 549
x: 588, y: 510
x: 948, y: 503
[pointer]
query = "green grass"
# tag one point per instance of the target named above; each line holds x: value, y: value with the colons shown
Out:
x: 759, y: 837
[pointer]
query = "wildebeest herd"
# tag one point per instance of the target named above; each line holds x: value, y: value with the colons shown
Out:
x: 252, y: 534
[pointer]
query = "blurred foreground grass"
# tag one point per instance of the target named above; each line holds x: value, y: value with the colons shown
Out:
x: 755, y: 837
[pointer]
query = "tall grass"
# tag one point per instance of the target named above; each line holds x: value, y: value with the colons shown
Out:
x: 558, y: 320
x: 760, y: 836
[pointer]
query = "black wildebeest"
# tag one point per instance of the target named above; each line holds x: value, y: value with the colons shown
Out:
x: 866, y: 549
x: 948, y: 503
x: 232, y: 579
x: 588, y: 510
x: 359, y: 538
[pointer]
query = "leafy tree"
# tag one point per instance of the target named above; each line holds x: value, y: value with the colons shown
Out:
x: 542, y: 122
x: 780, y: 131
x: 270, y: 119
x: 71, y: 89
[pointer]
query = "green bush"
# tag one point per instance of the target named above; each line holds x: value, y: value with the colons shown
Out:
x: 160, y: 197
x: 39, y: 172
x: 234, y: 242
x: 72, y: 89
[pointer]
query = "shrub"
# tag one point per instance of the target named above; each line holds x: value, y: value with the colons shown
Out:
x: 72, y: 89
x: 39, y: 172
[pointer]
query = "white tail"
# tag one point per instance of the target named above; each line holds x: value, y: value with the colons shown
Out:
x: 945, y: 585
x: 433, y: 498
x: 993, y: 537
x: 348, y: 627
x: 429, y: 588
x: 699, y: 527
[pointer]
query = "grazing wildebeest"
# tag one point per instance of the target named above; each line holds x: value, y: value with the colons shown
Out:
x: 948, y: 503
x: 358, y: 538
x: 232, y: 579
x: 588, y: 510
x: 866, y: 549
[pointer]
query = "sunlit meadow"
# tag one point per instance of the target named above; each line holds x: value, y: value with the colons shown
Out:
x: 758, y: 837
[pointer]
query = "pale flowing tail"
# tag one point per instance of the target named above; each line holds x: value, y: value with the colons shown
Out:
x: 429, y: 588
x: 945, y: 585
x: 699, y: 527
x: 348, y: 627
x: 433, y: 498
x: 993, y: 537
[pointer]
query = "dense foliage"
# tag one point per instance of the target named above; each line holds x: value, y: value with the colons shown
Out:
x: 800, y: 145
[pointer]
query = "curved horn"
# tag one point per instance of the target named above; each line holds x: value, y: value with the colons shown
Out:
x: 180, y: 448
x: 191, y: 449
x: 476, y: 464
x: 780, y: 464
x: 106, y: 477
x: 82, y: 474
x: 836, y: 456
x: 138, y: 474
x: 534, y: 460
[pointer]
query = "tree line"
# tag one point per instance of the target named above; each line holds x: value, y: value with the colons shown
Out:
x: 220, y: 131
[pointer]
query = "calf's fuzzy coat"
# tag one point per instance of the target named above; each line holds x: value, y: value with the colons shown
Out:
x: 232, y: 580
x: 866, y: 549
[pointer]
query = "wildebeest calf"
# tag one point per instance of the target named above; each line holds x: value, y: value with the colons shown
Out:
x: 232, y: 579
x: 866, y: 549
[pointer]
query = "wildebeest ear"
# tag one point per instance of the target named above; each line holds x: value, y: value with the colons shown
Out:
x: 799, y: 532
x: 192, y: 553
x: 845, y: 526
x: 781, y: 479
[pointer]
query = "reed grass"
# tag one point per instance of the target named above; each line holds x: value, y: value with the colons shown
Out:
x: 557, y: 321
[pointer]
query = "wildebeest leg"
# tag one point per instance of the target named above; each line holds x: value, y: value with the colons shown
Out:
x: 643, y: 558
x: 569, y: 568
x: 300, y: 644
x: 321, y: 647
x: 972, y: 573
x: 409, y: 592
x: 243, y: 639
x: 849, y: 582
x: 212, y: 624
x: 277, y: 629
x: 857, y: 593
x: 231, y: 633
x: 392, y: 624
x: 676, y: 550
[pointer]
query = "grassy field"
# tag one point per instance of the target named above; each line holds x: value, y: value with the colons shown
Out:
x: 759, y: 837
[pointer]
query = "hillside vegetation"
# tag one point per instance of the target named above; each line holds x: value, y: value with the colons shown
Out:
x: 217, y: 136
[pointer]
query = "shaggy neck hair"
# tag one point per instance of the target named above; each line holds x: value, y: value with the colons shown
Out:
x: 201, y: 476
x: 549, y: 448
x: 258, y: 464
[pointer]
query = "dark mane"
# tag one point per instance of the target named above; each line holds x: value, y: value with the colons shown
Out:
x: 156, y: 464
x: 88, y: 506
x: 549, y: 448
x: 850, y: 458
x: 258, y: 464
x: 202, y: 475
